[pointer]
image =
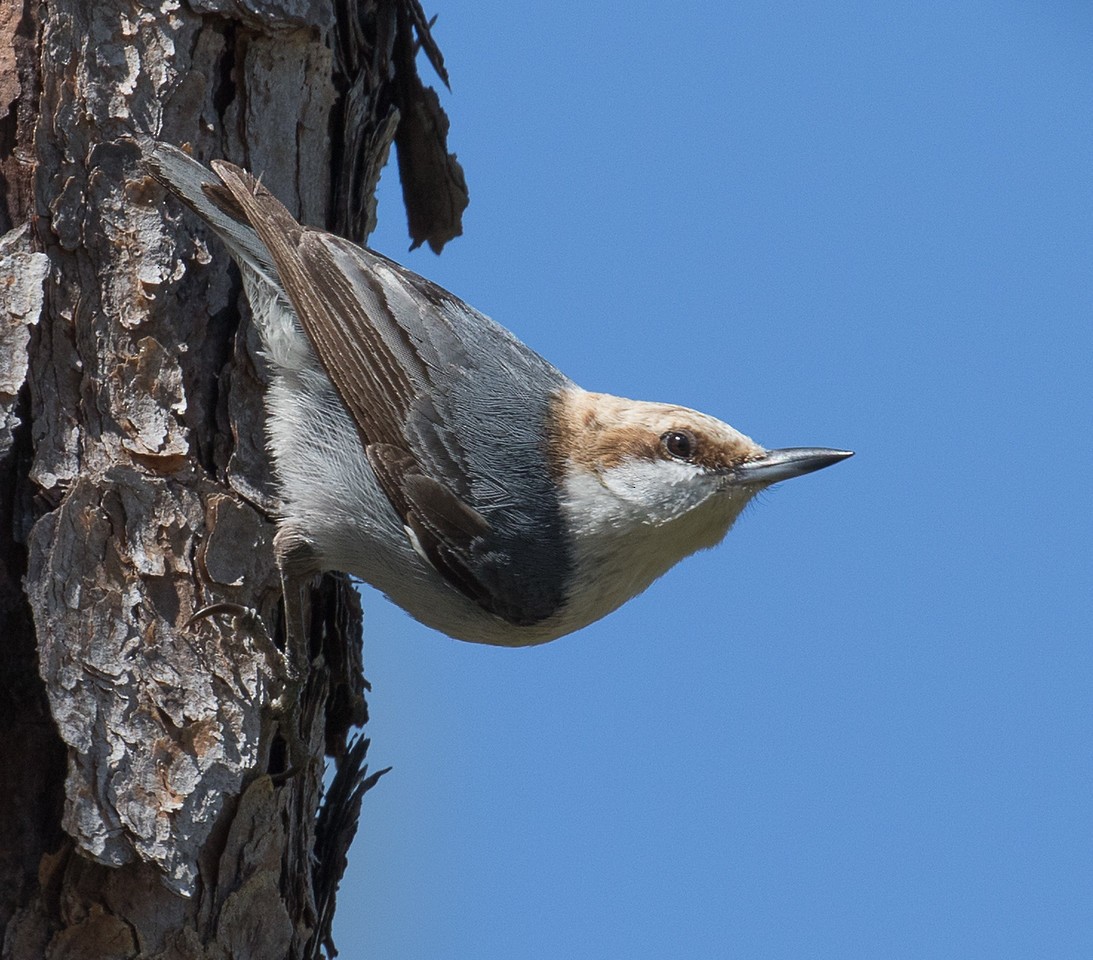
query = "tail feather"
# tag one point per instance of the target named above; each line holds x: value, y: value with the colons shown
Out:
x: 201, y: 191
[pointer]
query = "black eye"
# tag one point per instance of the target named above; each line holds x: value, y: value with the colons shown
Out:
x: 679, y: 444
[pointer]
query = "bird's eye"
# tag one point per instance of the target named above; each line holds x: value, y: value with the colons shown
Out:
x: 679, y: 444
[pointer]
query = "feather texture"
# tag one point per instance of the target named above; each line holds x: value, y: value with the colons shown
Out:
x: 452, y: 411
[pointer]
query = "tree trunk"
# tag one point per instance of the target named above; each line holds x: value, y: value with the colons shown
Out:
x: 147, y: 806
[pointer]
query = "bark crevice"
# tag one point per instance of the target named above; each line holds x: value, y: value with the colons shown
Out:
x: 150, y: 811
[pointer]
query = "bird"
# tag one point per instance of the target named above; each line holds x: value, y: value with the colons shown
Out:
x: 424, y: 449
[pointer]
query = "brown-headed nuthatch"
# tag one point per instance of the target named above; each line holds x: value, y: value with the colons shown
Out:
x: 423, y: 448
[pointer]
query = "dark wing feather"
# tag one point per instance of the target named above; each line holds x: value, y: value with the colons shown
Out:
x: 372, y: 384
x: 450, y: 407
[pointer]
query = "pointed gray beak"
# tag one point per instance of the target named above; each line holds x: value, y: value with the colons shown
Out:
x: 778, y: 465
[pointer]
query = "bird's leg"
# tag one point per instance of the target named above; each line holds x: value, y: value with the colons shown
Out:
x: 296, y: 565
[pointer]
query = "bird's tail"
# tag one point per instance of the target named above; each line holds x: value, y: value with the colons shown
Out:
x: 201, y: 190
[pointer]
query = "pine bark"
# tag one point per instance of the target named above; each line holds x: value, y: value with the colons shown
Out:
x: 147, y: 803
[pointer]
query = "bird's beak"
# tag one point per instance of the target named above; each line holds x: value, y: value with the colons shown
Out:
x: 776, y: 465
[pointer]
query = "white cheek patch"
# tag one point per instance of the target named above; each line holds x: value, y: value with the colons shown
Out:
x: 654, y: 491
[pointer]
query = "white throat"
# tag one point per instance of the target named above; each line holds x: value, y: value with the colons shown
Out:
x: 632, y: 522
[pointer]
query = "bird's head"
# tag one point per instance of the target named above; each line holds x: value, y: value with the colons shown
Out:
x: 645, y: 484
x: 656, y: 462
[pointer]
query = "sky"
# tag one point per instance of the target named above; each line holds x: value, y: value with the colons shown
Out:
x: 859, y: 728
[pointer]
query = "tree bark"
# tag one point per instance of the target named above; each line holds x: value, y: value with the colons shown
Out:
x: 147, y: 807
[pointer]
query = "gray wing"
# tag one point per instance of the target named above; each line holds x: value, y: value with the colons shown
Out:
x: 451, y: 408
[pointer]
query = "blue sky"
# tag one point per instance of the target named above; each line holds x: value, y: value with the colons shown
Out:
x: 860, y: 728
